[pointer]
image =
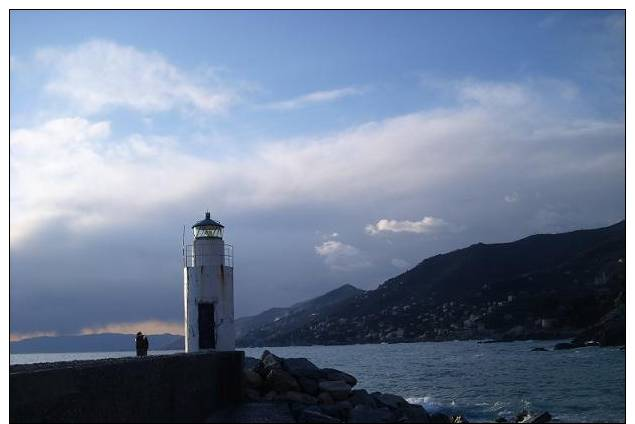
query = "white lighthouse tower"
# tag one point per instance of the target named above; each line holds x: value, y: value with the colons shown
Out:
x: 208, y: 289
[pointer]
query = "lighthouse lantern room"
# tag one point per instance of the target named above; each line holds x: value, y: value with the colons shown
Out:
x: 208, y: 273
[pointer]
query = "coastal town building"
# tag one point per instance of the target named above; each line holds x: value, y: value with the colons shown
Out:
x: 208, y: 272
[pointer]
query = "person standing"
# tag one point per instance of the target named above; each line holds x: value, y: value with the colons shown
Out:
x: 139, y: 343
x: 145, y: 344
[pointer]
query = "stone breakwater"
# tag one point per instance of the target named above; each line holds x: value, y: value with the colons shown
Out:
x: 326, y: 395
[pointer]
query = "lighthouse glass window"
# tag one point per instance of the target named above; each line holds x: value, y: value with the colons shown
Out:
x: 208, y: 231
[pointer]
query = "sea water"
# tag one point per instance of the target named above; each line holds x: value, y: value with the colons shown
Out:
x: 480, y: 381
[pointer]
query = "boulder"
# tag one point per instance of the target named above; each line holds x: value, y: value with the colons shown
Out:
x: 315, y: 415
x: 522, y: 416
x: 438, y: 417
x: 338, y: 390
x: 361, y: 397
x: 252, y: 395
x: 366, y: 414
x: 301, y: 367
x: 340, y: 410
x: 391, y: 401
x: 269, y: 396
x: 251, y: 363
x: 300, y: 398
x: 335, y: 375
x: 414, y: 413
x: 270, y: 361
x: 281, y: 381
x: 501, y: 420
x: 325, y: 399
x: 252, y: 378
x: 309, y: 386
x: 458, y: 419
x: 544, y: 417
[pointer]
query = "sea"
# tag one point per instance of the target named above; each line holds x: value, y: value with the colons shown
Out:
x: 479, y: 381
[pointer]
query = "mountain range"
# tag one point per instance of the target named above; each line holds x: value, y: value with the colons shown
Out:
x: 105, y: 342
x: 542, y: 286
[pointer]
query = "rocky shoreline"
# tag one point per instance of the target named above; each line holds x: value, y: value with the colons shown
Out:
x: 327, y: 395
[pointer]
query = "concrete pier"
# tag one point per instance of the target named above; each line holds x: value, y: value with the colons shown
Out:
x: 168, y: 388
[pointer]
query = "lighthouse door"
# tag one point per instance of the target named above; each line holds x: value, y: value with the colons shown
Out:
x: 206, y: 327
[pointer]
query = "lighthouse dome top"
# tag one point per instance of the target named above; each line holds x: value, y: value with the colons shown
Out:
x: 208, y: 228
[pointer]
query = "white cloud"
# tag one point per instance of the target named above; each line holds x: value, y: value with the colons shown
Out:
x: 70, y: 171
x: 400, y: 263
x: 317, y: 97
x: 512, y: 198
x: 426, y: 225
x: 342, y: 257
x: 74, y: 173
x: 101, y: 74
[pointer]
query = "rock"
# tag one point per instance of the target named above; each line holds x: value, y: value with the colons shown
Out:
x: 501, y: 420
x: 438, y: 417
x: 391, y: 401
x: 339, y: 390
x: 315, y: 415
x: 590, y: 343
x: 251, y: 363
x: 539, y: 349
x: 301, y: 367
x: 252, y: 395
x: 563, y: 346
x: 281, y: 381
x: 252, y: 378
x: 300, y: 398
x: 365, y: 414
x: 522, y: 415
x: 335, y: 375
x: 458, y: 419
x: 361, y: 397
x: 340, y: 410
x: 414, y: 413
x: 270, y: 361
x: 309, y: 386
x: 269, y: 396
x: 544, y: 417
x: 325, y: 399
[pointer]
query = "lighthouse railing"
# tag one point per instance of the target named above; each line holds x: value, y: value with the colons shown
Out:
x: 227, y: 258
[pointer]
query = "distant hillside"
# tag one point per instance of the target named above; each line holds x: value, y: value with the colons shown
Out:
x: 93, y: 343
x: 543, y: 286
x: 277, y: 321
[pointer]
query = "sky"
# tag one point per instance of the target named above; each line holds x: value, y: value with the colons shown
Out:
x: 335, y: 147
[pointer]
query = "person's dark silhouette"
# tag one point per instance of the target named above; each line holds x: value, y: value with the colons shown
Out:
x: 139, y: 343
x: 145, y: 344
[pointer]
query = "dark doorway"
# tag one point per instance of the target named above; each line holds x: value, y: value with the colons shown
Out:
x: 206, y: 327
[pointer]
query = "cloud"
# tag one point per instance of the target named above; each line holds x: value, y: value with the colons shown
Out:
x: 339, y: 256
x: 16, y: 337
x: 426, y: 225
x: 317, y: 97
x: 72, y: 171
x: 400, y: 263
x: 101, y: 74
x: 512, y: 198
x: 146, y: 327
x: 78, y: 185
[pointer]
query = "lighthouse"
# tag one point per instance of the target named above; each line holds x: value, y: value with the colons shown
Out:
x: 208, y: 273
